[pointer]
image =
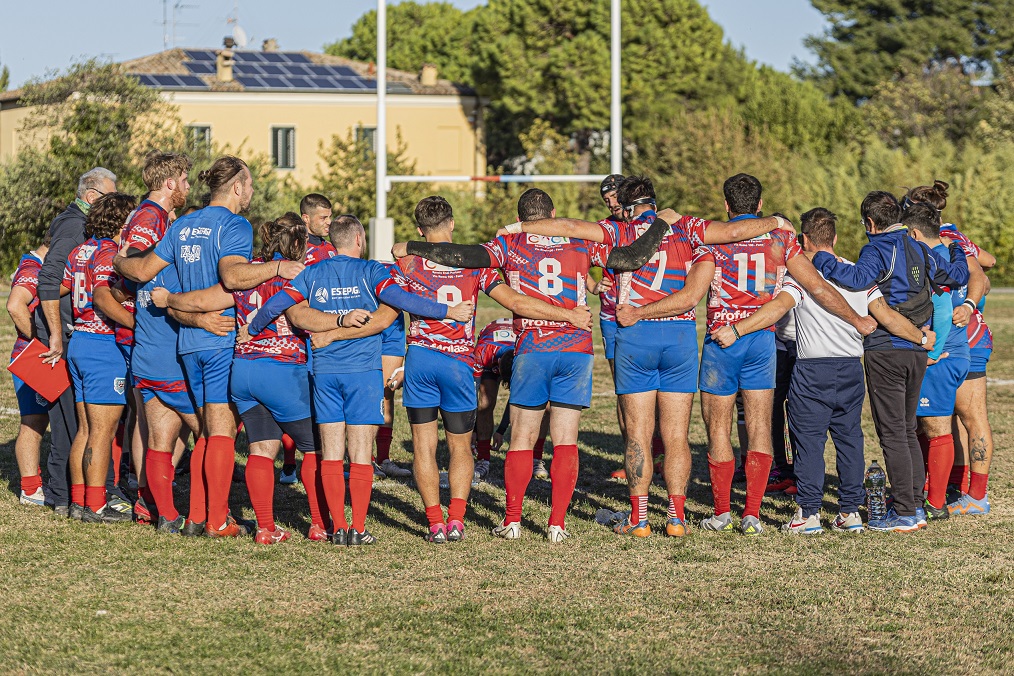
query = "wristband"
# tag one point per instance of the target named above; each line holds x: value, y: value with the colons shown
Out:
x: 514, y: 228
x: 781, y: 222
x: 341, y: 321
x: 735, y: 330
x: 970, y: 303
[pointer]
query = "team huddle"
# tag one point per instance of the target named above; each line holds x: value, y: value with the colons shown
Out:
x: 173, y: 327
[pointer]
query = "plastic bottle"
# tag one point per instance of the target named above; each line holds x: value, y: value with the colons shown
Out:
x: 876, y: 488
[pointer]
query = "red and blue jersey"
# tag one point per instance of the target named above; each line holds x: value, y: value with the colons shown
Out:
x: 666, y: 271
x: 145, y: 226
x: 337, y: 286
x: 553, y: 270
x: 449, y: 286
x: 956, y: 343
x: 318, y: 249
x: 607, y: 299
x: 27, y: 277
x: 494, y: 340
x: 194, y: 245
x: 278, y: 340
x: 155, y: 332
x: 978, y: 332
x: 748, y: 274
x: 90, y: 266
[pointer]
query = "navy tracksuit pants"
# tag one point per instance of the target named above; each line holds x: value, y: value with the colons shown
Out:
x: 826, y: 395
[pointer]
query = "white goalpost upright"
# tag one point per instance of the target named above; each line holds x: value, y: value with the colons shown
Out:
x: 382, y: 227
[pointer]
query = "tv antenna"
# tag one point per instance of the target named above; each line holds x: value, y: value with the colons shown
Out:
x: 170, y: 20
x: 238, y: 34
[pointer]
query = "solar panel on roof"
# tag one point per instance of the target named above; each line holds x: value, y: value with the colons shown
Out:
x: 296, y: 57
x: 248, y: 57
x: 272, y: 69
x: 247, y: 69
x: 349, y: 83
x: 300, y: 82
x: 299, y: 69
x: 275, y: 82
x: 319, y: 70
x: 166, y: 81
x: 274, y: 57
x: 200, y: 55
x: 147, y: 80
x: 251, y: 82
x: 343, y: 71
x: 200, y: 67
x: 191, y: 81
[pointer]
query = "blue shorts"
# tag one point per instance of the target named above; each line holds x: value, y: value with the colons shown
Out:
x: 207, y: 374
x: 283, y: 388
x: 394, y: 338
x: 608, y: 337
x: 749, y: 364
x: 656, y: 356
x: 351, y: 398
x: 557, y: 377
x: 940, y: 387
x: 172, y: 393
x: 437, y: 380
x: 30, y: 402
x: 980, y: 357
x: 97, y: 369
x: 125, y: 350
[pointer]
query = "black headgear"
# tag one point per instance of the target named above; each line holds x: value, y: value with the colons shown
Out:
x: 610, y: 183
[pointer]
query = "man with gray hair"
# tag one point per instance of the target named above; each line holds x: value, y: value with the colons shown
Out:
x: 54, y: 321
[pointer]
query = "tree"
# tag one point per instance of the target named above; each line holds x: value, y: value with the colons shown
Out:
x: 437, y: 33
x: 5, y: 78
x: 349, y: 178
x: 871, y: 42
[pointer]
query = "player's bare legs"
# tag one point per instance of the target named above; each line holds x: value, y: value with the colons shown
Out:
x: 165, y: 430
x: 360, y: 450
x: 620, y: 421
x: 517, y: 468
x: 385, y: 432
x: 938, y: 450
x: 674, y: 424
x: 219, y: 463
x: 487, y: 393
x: 717, y: 412
x: 564, y: 423
x: 757, y: 405
x: 424, y: 464
x: 332, y: 437
x: 970, y: 407
x: 75, y: 463
x: 103, y: 420
x: 260, y: 482
x: 26, y: 448
x: 639, y: 411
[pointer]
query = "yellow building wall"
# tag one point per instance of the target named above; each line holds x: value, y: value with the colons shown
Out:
x: 11, y: 140
x: 443, y: 134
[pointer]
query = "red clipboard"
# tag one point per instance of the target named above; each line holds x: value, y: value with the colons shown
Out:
x: 49, y: 380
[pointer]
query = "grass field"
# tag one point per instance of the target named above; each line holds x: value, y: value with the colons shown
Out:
x: 100, y: 599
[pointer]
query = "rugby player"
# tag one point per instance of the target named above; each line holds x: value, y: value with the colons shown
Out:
x: 392, y: 358
x: 347, y: 375
x: 97, y: 367
x: 156, y: 370
x: 553, y: 361
x: 439, y: 366
x: 33, y: 407
x: 494, y: 344
x: 211, y: 247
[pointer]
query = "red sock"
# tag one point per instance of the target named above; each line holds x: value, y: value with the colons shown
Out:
x: 675, y: 510
x: 158, y: 466
x: 260, y: 483
x: 383, y: 444
x: 360, y: 488
x: 310, y: 475
x: 117, y: 453
x: 289, y: 446
x: 941, y: 459
x: 198, y: 486
x: 657, y: 448
x: 959, y: 477
x: 95, y: 497
x: 456, y: 510
x: 332, y: 475
x: 77, y: 494
x: 517, y: 473
x: 563, y: 475
x: 638, y: 508
x: 30, y: 484
x: 721, y: 483
x: 540, y: 444
x: 758, y: 469
x: 145, y: 492
x: 435, y: 515
x: 482, y: 448
x: 977, y: 487
x: 219, y: 461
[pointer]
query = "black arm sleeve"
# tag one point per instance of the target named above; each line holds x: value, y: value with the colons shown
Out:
x: 505, y: 421
x: 51, y: 275
x: 637, y: 253
x: 453, y: 255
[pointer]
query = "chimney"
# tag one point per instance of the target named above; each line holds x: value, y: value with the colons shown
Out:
x: 269, y: 45
x: 224, y: 61
x: 428, y: 76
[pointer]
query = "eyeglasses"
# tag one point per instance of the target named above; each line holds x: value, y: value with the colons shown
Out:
x: 98, y: 191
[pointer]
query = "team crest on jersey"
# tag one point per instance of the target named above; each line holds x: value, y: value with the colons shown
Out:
x: 191, y: 253
x: 85, y: 252
x: 539, y: 240
x: 41, y: 400
x: 504, y: 336
x: 119, y: 384
x: 436, y: 267
x: 321, y: 295
x: 184, y: 233
x: 916, y: 274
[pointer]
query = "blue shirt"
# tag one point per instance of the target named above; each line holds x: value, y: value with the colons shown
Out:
x: 956, y: 343
x: 194, y: 245
x: 337, y: 286
x: 155, y: 332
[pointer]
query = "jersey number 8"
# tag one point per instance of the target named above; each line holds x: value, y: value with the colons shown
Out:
x: 550, y: 283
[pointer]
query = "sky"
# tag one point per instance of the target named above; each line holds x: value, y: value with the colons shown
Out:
x: 45, y: 35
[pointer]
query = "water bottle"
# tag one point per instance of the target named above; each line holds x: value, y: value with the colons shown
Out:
x: 876, y: 487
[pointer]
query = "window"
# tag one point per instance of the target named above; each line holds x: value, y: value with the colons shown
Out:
x: 199, y: 139
x: 367, y: 137
x: 283, y: 147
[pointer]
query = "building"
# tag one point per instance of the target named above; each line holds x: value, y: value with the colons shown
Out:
x: 284, y: 104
